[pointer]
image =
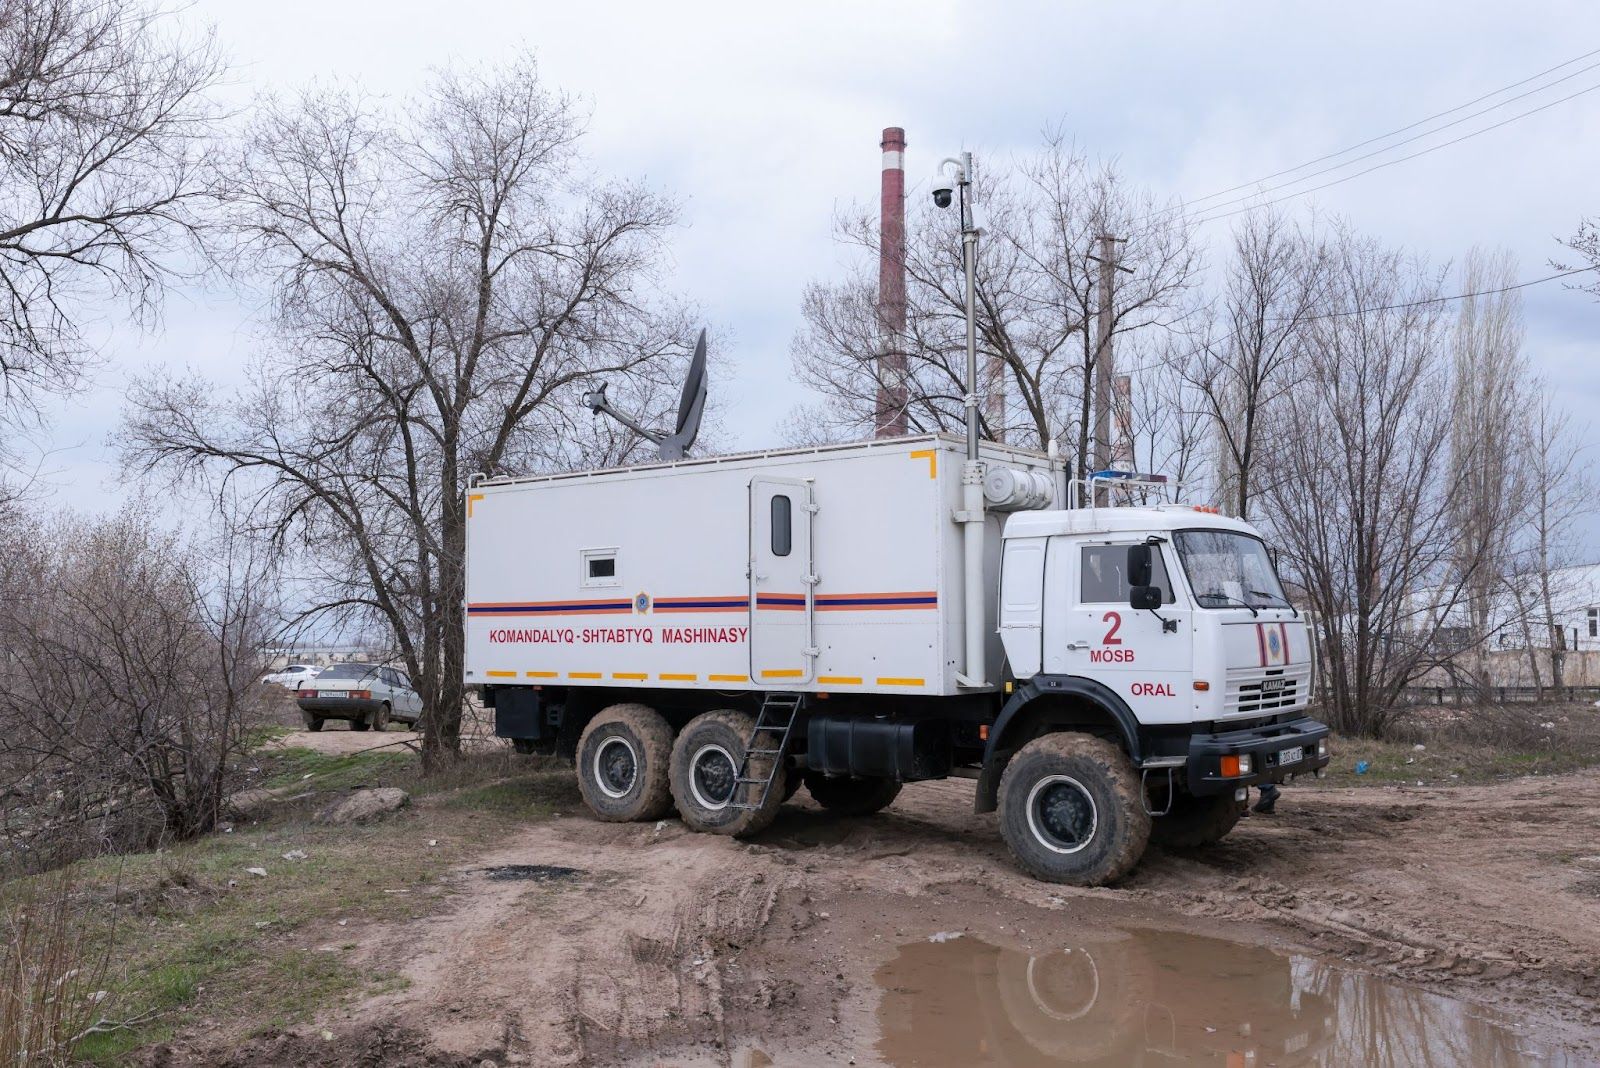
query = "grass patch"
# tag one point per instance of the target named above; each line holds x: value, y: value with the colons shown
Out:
x: 1473, y: 745
x: 199, y: 937
x: 196, y: 937
x: 197, y: 934
x: 533, y: 795
x: 334, y: 771
x: 268, y: 732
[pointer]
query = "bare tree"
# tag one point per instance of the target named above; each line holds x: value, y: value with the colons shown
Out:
x: 445, y: 275
x: 130, y: 673
x: 1561, y: 500
x: 1037, y: 295
x: 1358, y: 484
x: 1246, y: 361
x: 103, y: 124
x: 1488, y: 422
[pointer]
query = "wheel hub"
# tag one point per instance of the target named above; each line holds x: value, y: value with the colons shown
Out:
x: 616, y: 766
x: 1061, y: 814
x: 712, y: 776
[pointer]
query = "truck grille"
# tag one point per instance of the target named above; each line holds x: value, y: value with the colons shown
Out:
x: 1259, y: 694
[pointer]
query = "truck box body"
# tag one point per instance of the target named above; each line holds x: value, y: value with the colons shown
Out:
x: 820, y: 569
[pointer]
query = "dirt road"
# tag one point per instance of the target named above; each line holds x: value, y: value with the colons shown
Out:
x: 339, y: 740
x: 579, y: 942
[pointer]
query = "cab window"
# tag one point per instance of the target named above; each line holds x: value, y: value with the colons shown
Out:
x: 1103, y: 575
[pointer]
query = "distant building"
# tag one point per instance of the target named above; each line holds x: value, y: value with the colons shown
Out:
x: 322, y: 655
x: 1575, y: 598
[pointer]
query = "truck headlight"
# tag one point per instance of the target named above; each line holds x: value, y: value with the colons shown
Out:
x: 1234, y: 767
x: 1322, y: 747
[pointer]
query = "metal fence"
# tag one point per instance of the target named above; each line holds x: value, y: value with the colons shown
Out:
x: 1466, y: 695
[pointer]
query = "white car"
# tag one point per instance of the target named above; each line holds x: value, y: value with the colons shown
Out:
x: 367, y: 695
x: 293, y: 675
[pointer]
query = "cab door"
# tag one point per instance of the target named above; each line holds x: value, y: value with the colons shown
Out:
x: 782, y: 583
x: 1145, y: 656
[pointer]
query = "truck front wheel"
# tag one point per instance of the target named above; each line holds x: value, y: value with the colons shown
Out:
x: 851, y: 797
x: 1072, y: 810
x: 706, y: 760
x: 622, y: 764
x: 1197, y: 821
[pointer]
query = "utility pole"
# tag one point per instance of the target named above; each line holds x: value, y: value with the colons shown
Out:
x: 954, y: 178
x: 1104, y: 367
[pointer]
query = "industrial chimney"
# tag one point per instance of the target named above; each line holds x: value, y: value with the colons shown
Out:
x: 892, y: 390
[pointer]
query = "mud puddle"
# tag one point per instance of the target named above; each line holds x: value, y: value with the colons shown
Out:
x: 1146, y: 997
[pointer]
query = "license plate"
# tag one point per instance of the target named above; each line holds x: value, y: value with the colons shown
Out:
x: 332, y: 693
x: 1291, y: 756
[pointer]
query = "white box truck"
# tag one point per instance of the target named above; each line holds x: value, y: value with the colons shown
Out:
x: 715, y: 633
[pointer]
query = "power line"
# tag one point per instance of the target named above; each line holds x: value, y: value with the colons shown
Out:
x: 1392, y: 162
x: 1441, y: 300
x: 1397, y: 144
x: 1380, y: 308
x: 1414, y: 125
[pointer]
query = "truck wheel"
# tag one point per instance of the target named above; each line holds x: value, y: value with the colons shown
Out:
x: 622, y: 763
x: 1072, y: 810
x: 705, y: 763
x: 851, y: 797
x: 313, y: 723
x: 1196, y: 821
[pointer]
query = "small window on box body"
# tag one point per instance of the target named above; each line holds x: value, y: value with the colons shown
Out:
x: 600, y: 567
x: 1594, y: 622
x: 782, y: 531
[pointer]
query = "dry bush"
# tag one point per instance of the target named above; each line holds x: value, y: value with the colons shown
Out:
x: 50, y: 976
x: 129, y: 678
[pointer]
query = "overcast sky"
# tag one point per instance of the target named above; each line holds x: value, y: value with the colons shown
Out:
x: 765, y: 117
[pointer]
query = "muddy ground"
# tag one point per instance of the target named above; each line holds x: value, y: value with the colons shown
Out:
x: 579, y: 942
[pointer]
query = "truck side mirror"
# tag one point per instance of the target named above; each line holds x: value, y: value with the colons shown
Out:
x: 1144, y: 597
x: 1139, y: 565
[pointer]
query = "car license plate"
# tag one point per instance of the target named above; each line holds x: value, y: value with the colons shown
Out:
x: 1291, y: 756
x: 331, y: 693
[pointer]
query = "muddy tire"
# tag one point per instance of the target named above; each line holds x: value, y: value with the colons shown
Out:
x: 1196, y: 821
x: 622, y: 764
x: 705, y: 762
x: 845, y: 796
x: 380, y: 718
x: 313, y: 723
x: 1072, y: 810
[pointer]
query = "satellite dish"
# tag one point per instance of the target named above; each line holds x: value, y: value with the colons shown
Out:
x: 673, y: 445
x: 690, y: 406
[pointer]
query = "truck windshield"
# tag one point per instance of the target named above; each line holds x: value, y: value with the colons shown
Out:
x: 1227, y: 569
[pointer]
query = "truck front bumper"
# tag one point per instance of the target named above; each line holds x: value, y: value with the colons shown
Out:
x: 1270, y: 749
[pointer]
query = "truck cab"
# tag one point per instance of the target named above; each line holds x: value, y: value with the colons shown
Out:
x: 1166, y: 631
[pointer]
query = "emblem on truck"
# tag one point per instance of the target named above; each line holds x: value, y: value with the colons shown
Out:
x: 641, y: 603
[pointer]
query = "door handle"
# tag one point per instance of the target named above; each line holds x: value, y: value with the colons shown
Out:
x: 1078, y: 645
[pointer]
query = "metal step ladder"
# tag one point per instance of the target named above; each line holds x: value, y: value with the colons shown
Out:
x: 768, y: 738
